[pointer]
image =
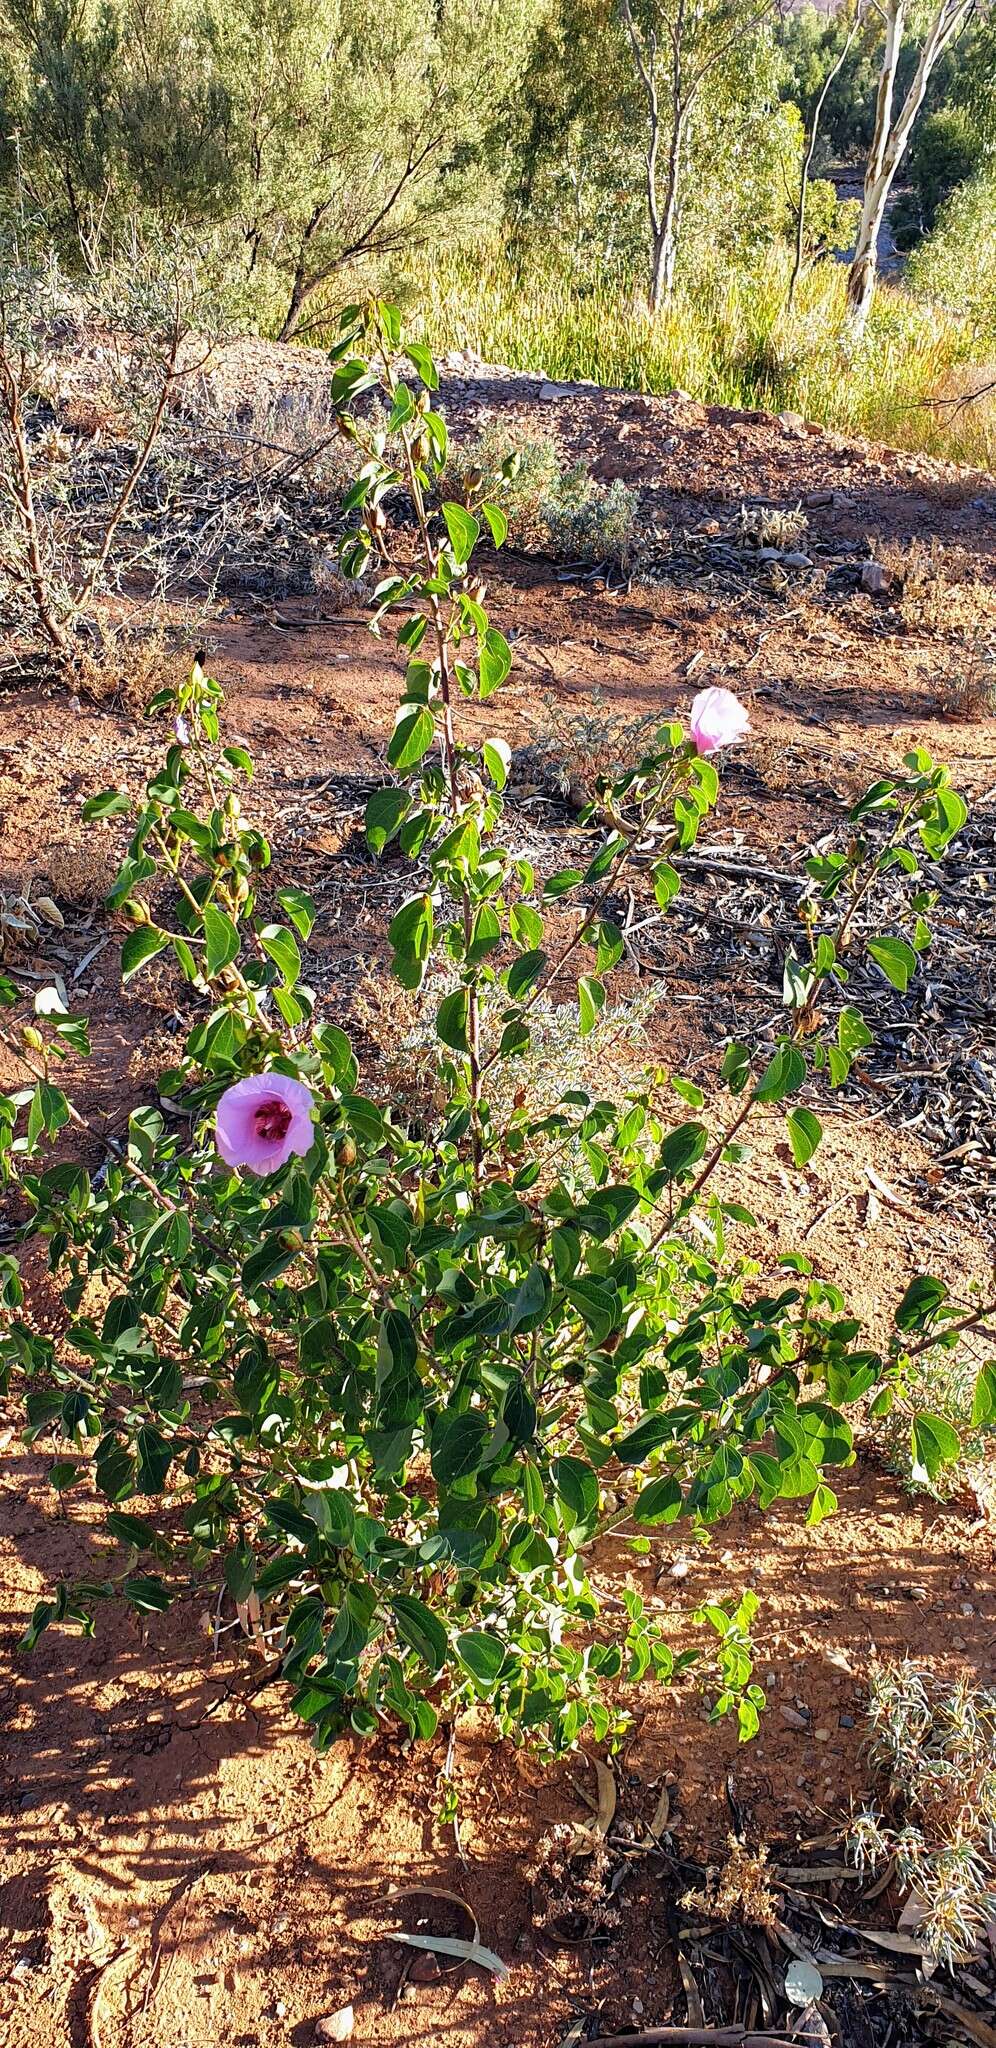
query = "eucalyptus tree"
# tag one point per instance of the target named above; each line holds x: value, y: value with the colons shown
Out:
x: 677, y: 46
x: 895, y: 115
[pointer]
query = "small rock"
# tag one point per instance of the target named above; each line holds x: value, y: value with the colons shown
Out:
x: 875, y: 579
x: 680, y: 397
x: 821, y: 1735
x: 797, y: 561
x: 425, y: 1969
x: 846, y: 1721
x: 792, y: 422
x: 967, y: 1608
x: 638, y: 2007
x: 819, y: 498
x: 680, y: 1568
x: 769, y: 555
x: 337, y: 2026
x: 557, y: 390
x: 794, y: 1720
x: 770, y: 1680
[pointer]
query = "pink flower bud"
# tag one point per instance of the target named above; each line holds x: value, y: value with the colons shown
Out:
x: 262, y: 1120
x: 718, y: 720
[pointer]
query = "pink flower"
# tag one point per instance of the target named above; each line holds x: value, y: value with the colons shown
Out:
x: 262, y: 1120
x: 718, y: 720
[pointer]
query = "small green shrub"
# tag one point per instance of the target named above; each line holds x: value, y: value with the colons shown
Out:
x: 934, y: 1747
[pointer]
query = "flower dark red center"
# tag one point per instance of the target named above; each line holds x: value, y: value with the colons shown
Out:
x: 272, y: 1120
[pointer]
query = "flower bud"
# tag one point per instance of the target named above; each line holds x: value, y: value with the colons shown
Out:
x: 345, y: 1151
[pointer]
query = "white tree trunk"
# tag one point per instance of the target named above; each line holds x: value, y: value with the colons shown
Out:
x: 892, y: 135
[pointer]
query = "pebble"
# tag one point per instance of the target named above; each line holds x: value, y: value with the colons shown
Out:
x: 794, y: 1720
x: 846, y: 1721
x: 821, y: 1735
x: 797, y: 561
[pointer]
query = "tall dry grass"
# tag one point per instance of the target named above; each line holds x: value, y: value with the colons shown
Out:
x: 730, y: 342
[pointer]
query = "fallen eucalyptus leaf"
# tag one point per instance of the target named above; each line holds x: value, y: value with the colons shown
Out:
x: 447, y: 1945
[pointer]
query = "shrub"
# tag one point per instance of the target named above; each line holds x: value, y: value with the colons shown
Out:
x: 561, y: 512
x: 63, y: 545
x: 935, y: 1750
x: 527, y: 472
x: 385, y: 1387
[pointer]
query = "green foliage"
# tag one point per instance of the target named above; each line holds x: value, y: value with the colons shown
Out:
x: 389, y: 1394
x: 957, y: 264
x: 945, y: 153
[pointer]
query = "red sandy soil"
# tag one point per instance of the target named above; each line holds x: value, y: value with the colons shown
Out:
x: 179, y: 1868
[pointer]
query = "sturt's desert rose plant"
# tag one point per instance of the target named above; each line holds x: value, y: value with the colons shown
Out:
x: 383, y: 1388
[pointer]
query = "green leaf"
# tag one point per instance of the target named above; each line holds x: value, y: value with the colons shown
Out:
x: 411, y: 933
x: 482, y: 1655
x: 784, y: 1073
x: 458, y: 1443
x: 463, y: 529
x: 531, y: 1299
x: 735, y: 1070
x: 63, y: 1473
x: 140, y: 945
x: 667, y: 883
x: 984, y: 1397
x: 577, y: 1492
x: 934, y: 1443
x: 494, y: 662
x: 896, y: 959
x: 147, y: 1593
x: 823, y: 1503
x: 424, y: 364
x: 155, y: 1456
x: 386, y: 811
x: 524, y: 972
x: 591, y: 1001
x: 658, y: 1502
x: 805, y: 1132
x: 240, y: 1572
x: 451, y: 1019
x: 420, y: 1629
x: 282, y: 948
x: 920, y: 1303
x: 111, y: 803
x: 682, y: 1148
x: 497, y: 761
x: 485, y: 934
x: 222, y: 940
x: 300, y: 908
x: 412, y: 737
x: 498, y: 523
